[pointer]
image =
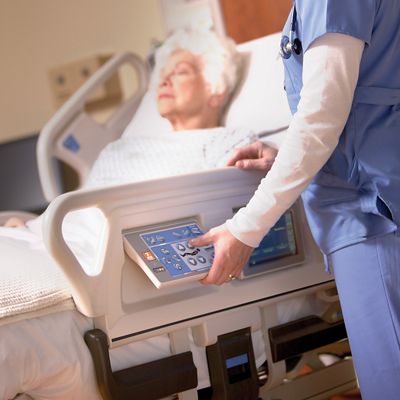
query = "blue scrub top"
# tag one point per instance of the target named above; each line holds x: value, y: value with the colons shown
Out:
x: 356, y: 195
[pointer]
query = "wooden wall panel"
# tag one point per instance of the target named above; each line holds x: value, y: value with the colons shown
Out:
x: 249, y: 19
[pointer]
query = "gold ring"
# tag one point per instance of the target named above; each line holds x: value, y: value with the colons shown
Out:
x: 231, y: 277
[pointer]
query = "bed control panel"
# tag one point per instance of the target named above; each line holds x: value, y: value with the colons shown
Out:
x: 165, y: 255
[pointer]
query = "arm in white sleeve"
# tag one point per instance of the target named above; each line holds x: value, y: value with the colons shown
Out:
x: 330, y: 74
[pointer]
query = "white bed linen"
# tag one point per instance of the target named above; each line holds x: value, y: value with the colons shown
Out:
x: 29, y: 281
x: 47, y: 358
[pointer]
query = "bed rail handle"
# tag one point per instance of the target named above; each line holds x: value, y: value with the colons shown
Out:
x: 82, y: 285
x: 150, y: 381
x: 74, y: 106
x: 305, y: 334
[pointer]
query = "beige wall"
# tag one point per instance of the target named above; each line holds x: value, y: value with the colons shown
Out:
x: 38, y: 34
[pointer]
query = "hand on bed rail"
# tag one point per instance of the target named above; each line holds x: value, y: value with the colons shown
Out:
x: 257, y: 155
x: 231, y: 255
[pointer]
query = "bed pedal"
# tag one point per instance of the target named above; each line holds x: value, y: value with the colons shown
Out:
x: 232, y: 367
x: 150, y: 381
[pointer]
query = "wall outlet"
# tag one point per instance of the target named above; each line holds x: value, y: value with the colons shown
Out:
x: 66, y: 79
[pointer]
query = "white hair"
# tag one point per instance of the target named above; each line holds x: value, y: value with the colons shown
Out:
x: 221, y: 61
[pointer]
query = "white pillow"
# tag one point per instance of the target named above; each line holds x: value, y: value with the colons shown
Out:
x: 147, y: 120
x: 260, y: 101
x: 258, y: 104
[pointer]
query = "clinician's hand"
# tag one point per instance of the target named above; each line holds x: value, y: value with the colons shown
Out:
x: 231, y: 255
x: 257, y: 155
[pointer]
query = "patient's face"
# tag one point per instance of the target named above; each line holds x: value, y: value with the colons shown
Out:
x: 182, y: 90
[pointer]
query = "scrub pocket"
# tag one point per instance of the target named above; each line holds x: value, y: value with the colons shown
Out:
x: 374, y: 204
x: 383, y: 209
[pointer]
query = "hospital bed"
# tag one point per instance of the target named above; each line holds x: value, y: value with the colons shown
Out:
x: 168, y: 335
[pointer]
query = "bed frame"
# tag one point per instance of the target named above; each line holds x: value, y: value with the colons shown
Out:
x: 127, y: 307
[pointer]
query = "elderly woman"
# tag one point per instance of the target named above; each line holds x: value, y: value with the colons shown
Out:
x: 197, y: 72
x: 195, y: 75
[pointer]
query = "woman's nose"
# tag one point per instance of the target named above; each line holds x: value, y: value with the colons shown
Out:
x: 165, y: 80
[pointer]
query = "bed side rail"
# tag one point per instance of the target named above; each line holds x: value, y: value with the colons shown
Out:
x: 130, y: 204
x: 117, y: 291
x: 73, y: 137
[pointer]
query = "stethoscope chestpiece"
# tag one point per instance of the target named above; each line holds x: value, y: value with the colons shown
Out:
x: 285, y: 48
x: 288, y: 44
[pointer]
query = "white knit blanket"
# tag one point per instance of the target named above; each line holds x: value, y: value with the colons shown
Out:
x: 30, y: 280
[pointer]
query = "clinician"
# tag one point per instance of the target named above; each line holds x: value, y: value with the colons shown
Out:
x: 342, y: 152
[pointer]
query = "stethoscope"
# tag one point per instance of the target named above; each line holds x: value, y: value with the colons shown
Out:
x: 289, y: 44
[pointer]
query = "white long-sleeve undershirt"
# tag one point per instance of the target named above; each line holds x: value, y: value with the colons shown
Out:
x: 330, y: 74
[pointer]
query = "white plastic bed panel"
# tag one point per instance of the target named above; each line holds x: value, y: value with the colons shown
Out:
x: 121, y: 297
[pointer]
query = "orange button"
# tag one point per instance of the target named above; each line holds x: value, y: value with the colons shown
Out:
x: 149, y: 256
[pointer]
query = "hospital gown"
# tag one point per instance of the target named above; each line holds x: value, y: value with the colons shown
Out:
x: 138, y: 158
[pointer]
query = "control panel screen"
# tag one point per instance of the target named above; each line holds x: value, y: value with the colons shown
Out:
x: 279, y: 242
x: 282, y: 247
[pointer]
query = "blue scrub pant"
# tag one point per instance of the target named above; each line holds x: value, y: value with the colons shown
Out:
x: 367, y: 276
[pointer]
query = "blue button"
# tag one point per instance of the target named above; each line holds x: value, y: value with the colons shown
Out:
x: 71, y: 143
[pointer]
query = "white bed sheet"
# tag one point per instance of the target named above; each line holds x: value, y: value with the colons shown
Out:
x: 47, y: 358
